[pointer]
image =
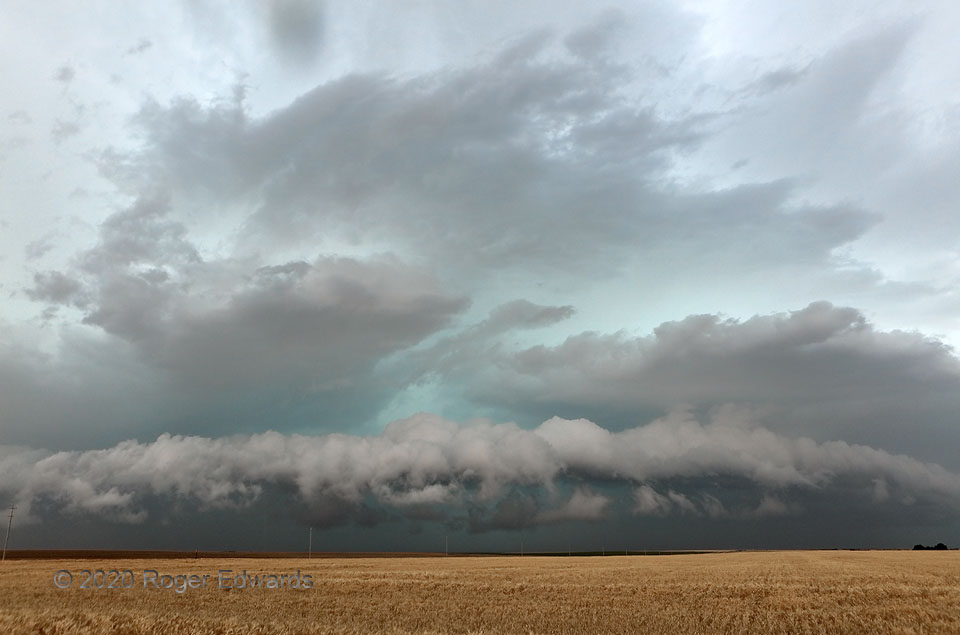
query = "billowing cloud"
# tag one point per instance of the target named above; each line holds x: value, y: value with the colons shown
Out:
x: 225, y: 339
x: 822, y: 369
x: 497, y: 475
x: 529, y: 160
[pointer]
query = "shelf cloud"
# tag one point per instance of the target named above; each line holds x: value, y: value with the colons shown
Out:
x: 496, y: 472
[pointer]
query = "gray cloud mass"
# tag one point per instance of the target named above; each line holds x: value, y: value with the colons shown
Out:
x: 521, y: 161
x: 668, y: 274
x: 823, y: 371
x: 427, y: 461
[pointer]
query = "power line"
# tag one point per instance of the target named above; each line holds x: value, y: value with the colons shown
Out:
x: 5, y: 540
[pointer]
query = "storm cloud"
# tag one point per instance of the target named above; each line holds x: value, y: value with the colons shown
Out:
x: 823, y: 370
x: 222, y: 337
x: 524, y: 161
x: 672, y: 270
x: 510, y: 472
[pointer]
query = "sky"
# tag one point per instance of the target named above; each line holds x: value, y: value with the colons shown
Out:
x: 638, y: 275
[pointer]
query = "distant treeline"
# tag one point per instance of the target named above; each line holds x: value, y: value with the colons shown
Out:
x: 939, y: 547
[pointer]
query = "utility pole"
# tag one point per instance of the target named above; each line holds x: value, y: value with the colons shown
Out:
x: 446, y: 544
x: 310, y: 544
x: 9, y: 523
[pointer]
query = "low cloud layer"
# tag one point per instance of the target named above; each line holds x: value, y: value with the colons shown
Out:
x: 483, y: 475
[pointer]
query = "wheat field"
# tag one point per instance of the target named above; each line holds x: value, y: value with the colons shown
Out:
x: 743, y: 592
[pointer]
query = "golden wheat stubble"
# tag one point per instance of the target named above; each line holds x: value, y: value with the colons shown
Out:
x: 773, y: 592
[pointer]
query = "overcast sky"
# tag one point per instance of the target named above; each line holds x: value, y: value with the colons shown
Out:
x: 651, y: 275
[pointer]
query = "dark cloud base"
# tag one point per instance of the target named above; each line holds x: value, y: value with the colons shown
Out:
x: 268, y: 526
x: 727, y: 480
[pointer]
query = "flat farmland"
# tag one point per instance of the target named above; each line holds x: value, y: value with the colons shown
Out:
x: 742, y: 592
